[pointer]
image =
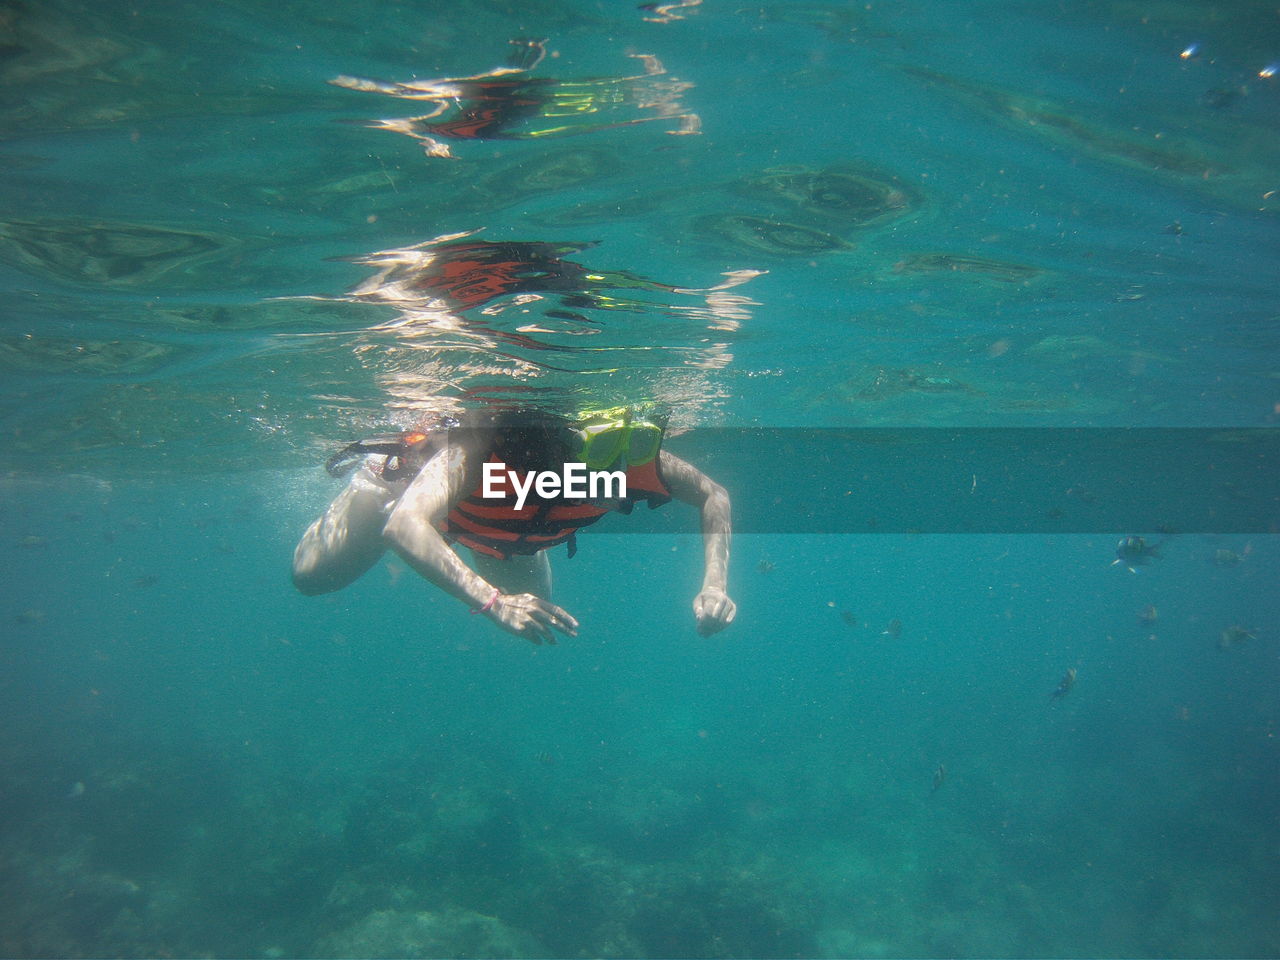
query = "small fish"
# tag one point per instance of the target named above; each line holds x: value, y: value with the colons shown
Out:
x: 766, y: 566
x: 1065, y: 684
x: 1190, y: 51
x: 1226, y: 558
x: 893, y: 631
x: 546, y: 758
x: 848, y: 617
x: 29, y: 616
x: 939, y: 776
x: 77, y: 790
x: 1269, y: 71
x: 150, y: 580
x: 1135, y: 552
x: 1148, y: 614
x: 1220, y: 98
x: 1083, y: 494
x: 1235, y: 635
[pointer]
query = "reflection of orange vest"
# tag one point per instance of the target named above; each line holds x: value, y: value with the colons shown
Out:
x: 489, y: 106
x: 495, y: 527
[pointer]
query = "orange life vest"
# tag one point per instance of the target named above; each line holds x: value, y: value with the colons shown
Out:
x: 495, y: 528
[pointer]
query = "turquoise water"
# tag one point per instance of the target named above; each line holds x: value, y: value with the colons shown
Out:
x: 779, y: 215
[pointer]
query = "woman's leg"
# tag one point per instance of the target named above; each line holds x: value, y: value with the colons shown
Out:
x: 347, y: 540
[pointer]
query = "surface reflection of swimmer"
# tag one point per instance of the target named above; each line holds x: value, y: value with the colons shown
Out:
x: 458, y: 286
x: 422, y: 494
x: 463, y: 274
x: 509, y: 103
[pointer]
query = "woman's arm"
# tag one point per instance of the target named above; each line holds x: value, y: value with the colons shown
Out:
x: 412, y: 531
x: 712, y: 607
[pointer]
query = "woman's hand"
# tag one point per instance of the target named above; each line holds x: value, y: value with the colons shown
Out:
x: 531, y: 617
x: 713, y: 610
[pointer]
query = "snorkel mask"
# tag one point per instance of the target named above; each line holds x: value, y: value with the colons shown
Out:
x: 617, y: 438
